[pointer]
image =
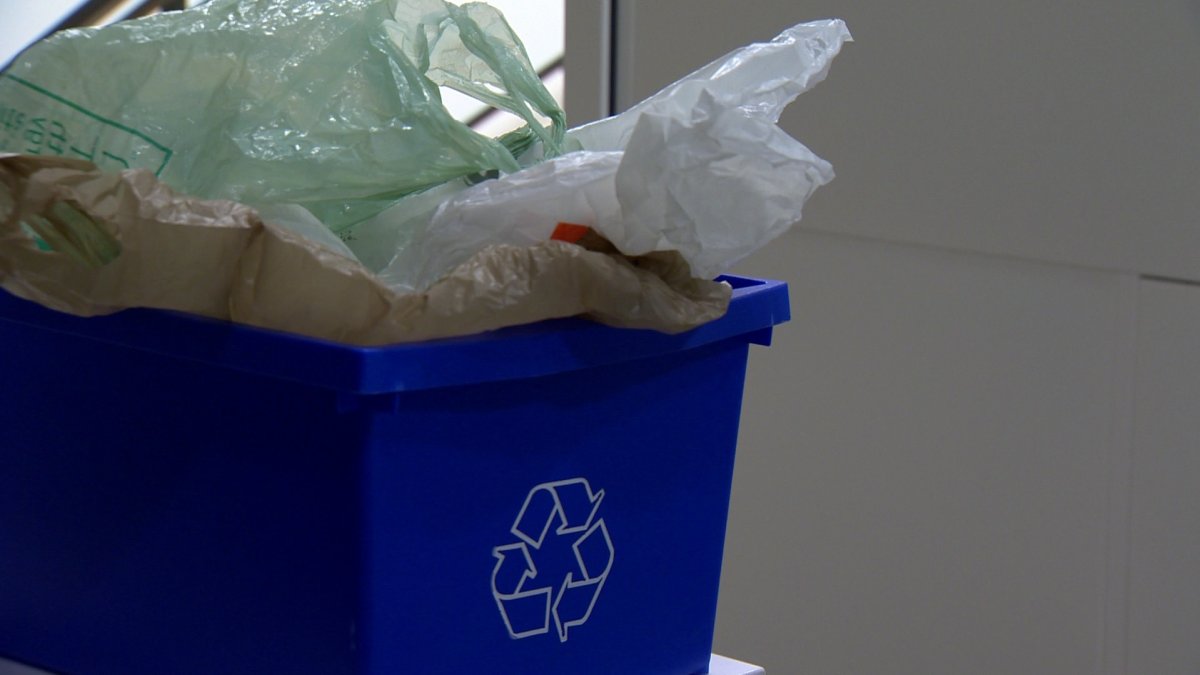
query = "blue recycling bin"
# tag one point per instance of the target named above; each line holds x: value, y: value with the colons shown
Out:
x: 180, y: 495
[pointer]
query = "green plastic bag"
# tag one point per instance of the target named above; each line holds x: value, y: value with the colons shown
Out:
x: 331, y: 105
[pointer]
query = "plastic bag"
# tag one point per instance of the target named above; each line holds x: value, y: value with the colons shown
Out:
x: 331, y: 105
x: 700, y: 168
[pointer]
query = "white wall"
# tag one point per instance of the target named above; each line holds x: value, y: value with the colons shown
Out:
x: 1068, y: 131
x: 956, y: 458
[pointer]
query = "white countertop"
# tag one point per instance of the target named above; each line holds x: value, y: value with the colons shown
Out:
x: 719, y: 665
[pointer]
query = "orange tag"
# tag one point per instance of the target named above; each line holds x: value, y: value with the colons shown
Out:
x: 569, y: 232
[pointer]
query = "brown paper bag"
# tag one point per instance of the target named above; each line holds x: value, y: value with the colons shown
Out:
x: 124, y: 240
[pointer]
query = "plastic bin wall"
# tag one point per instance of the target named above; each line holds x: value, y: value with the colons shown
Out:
x: 185, y: 496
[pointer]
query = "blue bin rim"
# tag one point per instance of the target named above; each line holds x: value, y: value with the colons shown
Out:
x: 532, y: 350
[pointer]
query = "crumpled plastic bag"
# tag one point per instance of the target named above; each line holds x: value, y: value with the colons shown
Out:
x: 671, y: 192
x: 700, y: 168
x: 331, y: 105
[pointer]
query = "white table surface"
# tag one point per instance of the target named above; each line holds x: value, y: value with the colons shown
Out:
x: 719, y: 665
x: 14, y: 668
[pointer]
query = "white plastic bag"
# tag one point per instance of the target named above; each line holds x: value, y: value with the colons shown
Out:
x: 700, y: 168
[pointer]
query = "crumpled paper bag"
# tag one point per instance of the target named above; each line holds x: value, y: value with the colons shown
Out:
x: 127, y: 240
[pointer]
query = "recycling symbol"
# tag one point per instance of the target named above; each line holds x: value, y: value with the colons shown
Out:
x: 556, y: 569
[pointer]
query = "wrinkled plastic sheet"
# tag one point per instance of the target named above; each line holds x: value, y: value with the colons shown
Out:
x: 331, y: 104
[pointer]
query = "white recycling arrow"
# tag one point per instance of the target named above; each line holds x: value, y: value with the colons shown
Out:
x: 528, y: 604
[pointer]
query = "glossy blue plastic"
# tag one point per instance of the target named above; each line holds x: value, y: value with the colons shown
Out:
x: 180, y: 495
